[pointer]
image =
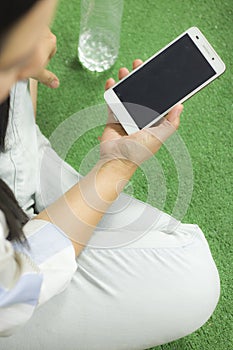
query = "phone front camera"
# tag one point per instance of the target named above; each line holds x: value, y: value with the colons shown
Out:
x: 213, y: 58
x: 197, y: 36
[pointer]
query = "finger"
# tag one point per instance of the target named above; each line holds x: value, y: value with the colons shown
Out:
x: 48, y: 78
x: 109, y: 83
x: 53, y: 43
x: 174, y: 115
x: 137, y: 63
x: 47, y: 48
x: 123, y: 72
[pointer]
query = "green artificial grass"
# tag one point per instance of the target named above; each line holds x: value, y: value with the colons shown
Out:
x: 206, y: 127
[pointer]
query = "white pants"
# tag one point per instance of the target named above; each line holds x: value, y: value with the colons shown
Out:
x: 156, y: 289
x: 143, y: 280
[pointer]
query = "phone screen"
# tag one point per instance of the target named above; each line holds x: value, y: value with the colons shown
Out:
x: 164, y: 80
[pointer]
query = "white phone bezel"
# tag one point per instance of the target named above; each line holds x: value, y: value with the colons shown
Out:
x: 121, y: 113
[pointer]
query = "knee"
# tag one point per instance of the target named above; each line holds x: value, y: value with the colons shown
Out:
x: 207, y: 294
x: 202, y: 285
x: 190, y: 302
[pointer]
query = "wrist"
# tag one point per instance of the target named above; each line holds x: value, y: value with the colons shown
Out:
x: 108, y: 179
x: 122, y: 168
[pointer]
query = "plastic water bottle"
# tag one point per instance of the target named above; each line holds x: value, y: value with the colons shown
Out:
x: 99, y: 38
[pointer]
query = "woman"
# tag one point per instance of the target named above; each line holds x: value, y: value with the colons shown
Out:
x: 140, y: 278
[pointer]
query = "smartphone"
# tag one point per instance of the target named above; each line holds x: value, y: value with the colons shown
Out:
x: 166, y: 79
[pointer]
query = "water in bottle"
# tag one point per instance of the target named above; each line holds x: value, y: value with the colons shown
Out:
x: 99, y: 37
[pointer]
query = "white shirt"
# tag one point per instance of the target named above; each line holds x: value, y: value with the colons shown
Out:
x: 28, y: 278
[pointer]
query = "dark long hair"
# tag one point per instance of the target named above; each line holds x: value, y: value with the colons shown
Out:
x: 4, y: 116
x: 15, y: 216
x: 11, y: 11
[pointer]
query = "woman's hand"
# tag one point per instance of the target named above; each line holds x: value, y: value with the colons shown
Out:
x: 134, y: 149
x: 46, y: 49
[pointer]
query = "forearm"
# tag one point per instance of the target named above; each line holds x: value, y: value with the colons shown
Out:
x: 80, y: 209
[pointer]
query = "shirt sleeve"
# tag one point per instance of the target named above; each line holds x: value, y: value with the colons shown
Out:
x: 31, y: 276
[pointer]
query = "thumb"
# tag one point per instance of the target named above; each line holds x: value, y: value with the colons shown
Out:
x: 174, y: 115
x: 168, y: 125
x: 48, y: 78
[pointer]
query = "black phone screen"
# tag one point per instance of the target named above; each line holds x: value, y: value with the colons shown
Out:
x: 164, y: 80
